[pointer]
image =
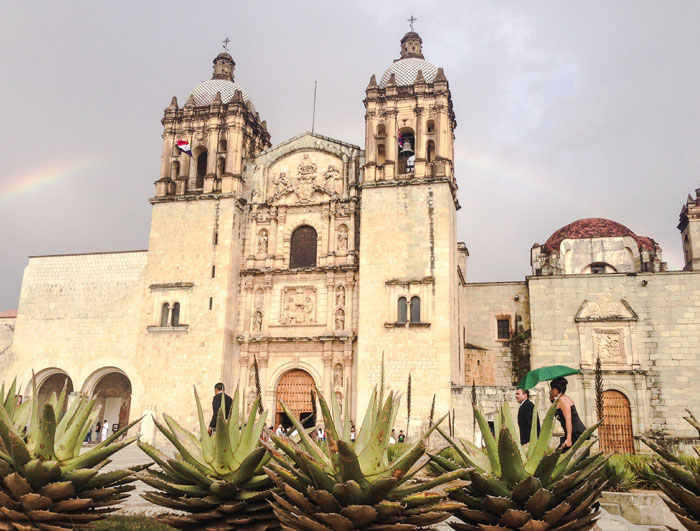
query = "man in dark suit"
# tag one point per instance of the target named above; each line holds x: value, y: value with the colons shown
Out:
x: 216, y: 404
x: 525, y: 415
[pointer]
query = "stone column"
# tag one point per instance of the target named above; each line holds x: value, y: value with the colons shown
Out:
x: 585, y: 404
x: 391, y: 148
x: 370, y: 138
x: 168, y: 141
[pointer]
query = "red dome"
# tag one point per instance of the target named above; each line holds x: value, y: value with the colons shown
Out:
x: 594, y: 228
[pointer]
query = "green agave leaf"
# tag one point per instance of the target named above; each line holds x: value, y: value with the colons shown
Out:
x: 373, y: 457
x: 65, y: 446
x: 402, y: 492
x: 223, y: 454
x: 401, y: 465
x: 512, y: 469
x: 349, y: 465
x: 33, y: 432
x: 245, y: 472
x: 188, y: 440
x: 207, y: 443
x: 94, y: 456
x: 659, y: 450
x: 61, y: 402
x: 474, y: 458
x: 18, y: 451
x: 44, y: 449
x: 10, y: 401
x: 21, y: 416
x: 310, y: 446
x: 563, y: 464
x: 363, y: 436
x: 533, y: 429
x: 67, y: 419
x: 161, y: 459
x: 489, y: 441
x: 542, y: 444
x: 40, y: 473
x: 233, y: 422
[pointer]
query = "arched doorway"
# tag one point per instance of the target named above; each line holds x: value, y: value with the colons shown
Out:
x: 114, y: 396
x: 54, y: 384
x: 616, y: 435
x: 295, y: 389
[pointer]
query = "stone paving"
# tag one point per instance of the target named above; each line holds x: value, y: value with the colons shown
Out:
x: 131, y: 455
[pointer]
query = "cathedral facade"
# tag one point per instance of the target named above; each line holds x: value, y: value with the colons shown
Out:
x: 328, y: 265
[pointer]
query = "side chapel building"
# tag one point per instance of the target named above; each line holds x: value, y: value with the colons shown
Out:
x: 322, y: 261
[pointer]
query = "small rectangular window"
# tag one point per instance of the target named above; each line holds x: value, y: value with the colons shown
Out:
x: 503, y: 328
x: 210, y: 302
x: 213, y: 271
x: 216, y: 237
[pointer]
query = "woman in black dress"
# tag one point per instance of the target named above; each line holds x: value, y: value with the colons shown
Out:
x: 566, y: 413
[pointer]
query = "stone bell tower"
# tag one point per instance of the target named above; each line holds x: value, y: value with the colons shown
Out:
x: 408, y: 248
x: 188, y: 316
x: 689, y: 225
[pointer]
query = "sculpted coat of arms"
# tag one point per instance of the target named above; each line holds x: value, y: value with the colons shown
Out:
x: 307, y: 181
x: 298, y: 306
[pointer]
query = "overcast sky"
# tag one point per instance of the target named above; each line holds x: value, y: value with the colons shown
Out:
x: 565, y: 110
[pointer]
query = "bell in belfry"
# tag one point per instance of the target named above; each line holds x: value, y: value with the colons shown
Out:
x: 406, y: 149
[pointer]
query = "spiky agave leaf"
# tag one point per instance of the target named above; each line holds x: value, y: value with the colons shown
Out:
x: 45, y: 482
x: 354, y: 486
x: 217, y: 482
x: 679, y: 481
x: 532, y: 487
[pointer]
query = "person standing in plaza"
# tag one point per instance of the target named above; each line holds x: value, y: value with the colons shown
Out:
x: 566, y: 413
x: 105, y: 430
x: 98, y: 427
x: 216, y: 405
x: 525, y: 413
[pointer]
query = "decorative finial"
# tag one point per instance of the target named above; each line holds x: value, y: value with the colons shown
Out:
x: 227, y: 40
x: 411, y: 21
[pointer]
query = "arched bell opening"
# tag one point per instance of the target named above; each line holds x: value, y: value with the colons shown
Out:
x: 406, y: 150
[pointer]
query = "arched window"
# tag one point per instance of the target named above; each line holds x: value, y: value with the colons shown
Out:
x: 430, y: 126
x: 201, y: 168
x: 175, y: 170
x: 164, y: 314
x: 175, y: 318
x: 220, y: 166
x: 303, y: 247
x: 415, y: 309
x: 402, y: 310
x: 430, y: 151
x: 222, y: 144
x: 381, y: 155
x: 381, y: 131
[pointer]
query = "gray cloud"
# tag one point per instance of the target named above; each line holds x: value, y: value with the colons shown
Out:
x: 564, y: 111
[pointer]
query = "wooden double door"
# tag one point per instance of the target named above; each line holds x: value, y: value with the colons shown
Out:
x: 295, y: 389
x: 616, y: 434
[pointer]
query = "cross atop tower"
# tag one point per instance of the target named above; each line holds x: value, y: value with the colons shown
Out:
x: 411, y: 20
x: 227, y: 40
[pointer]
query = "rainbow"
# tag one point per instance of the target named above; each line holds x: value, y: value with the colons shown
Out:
x: 34, y: 179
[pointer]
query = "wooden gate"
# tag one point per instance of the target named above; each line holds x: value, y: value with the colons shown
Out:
x: 616, y: 435
x: 295, y: 389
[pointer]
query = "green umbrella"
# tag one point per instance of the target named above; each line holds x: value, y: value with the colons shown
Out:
x: 532, y: 378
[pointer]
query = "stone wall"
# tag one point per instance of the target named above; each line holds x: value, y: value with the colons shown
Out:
x: 7, y: 331
x: 488, y: 360
x: 77, y: 314
x: 645, y: 327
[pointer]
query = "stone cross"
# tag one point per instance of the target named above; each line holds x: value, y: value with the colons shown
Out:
x: 227, y: 40
x: 411, y: 21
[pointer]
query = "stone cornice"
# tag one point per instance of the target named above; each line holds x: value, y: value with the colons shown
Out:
x: 197, y: 197
x: 280, y: 271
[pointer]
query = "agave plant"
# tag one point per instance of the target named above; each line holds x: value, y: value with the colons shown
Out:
x: 219, y: 480
x: 354, y: 486
x: 45, y: 482
x: 680, y: 482
x: 534, y: 487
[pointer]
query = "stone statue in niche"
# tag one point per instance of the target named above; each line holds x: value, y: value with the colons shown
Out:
x: 257, y: 321
x: 251, y: 377
x: 338, y: 375
x: 608, y: 346
x: 262, y: 241
x: 342, y: 236
x: 340, y: 319
x: 259, y: 298
x: 340, y: 296
x: 333, y: 180
x: 299, y: 305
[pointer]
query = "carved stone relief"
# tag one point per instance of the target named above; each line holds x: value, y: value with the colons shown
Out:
x: 340, y: 296
x: 257, y: 321
x: 308, y: 179
x: 340, y: 319
x: 342, y: 237
x: 338, y: 375
x: 298, y: 306
x: 608, y: 345
x: 262, y: 241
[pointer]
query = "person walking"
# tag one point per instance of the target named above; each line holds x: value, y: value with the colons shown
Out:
x: 525, y: 413
x: 105, y: 430
x: 352, y: 433
x: 98, y: 427
x: 566, y: 413
x: 219, y: 394
x: 402, y: 437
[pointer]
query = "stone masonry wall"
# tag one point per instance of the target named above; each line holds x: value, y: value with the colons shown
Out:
x: 78, y: 314
x: 7, y: 331
x: 488, y: 360
x: 665, y: 339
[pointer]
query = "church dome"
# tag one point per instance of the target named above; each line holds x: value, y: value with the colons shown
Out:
x: 221, y: 81
x: 594, y: 228
x: 406, y: 71
x: 205, y: 92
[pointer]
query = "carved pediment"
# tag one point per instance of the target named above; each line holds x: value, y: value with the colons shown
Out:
x: 603, y: 308
x: 303, y: 178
